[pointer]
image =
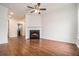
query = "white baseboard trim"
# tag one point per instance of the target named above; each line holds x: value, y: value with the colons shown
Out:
x: 59, y: 40
x: 4, y: 42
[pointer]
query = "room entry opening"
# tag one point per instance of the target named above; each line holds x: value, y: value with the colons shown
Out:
x: 19, y: 31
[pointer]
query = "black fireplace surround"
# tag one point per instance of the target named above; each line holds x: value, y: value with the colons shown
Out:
x: 34, y: 34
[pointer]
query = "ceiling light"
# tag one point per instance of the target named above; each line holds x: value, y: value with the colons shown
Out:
x: 11, y: 13
x: 36, y: 11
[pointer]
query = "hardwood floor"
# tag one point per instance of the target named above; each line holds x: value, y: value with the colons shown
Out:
x: 42, y: 47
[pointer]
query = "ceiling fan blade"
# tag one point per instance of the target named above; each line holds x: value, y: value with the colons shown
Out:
x: 38, y: 4
x: 42, y: 8
x: 39, y: 13
x: 30, y: 7
x: 32, y: 11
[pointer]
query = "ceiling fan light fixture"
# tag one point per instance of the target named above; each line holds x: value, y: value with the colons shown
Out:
x: 36, y: 8
x: 36, y: 11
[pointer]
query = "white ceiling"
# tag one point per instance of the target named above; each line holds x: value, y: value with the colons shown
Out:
x: 20, y: 9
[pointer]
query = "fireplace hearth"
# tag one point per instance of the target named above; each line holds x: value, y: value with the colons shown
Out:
x: 34, y: 34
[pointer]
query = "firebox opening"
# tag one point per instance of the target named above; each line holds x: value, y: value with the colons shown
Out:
x: 34, y: 34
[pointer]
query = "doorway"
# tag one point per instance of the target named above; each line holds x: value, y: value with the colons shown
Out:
x: 16, y: 28
x: 19, y: 30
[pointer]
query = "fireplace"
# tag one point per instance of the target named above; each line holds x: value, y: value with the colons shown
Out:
x: 34, y: 34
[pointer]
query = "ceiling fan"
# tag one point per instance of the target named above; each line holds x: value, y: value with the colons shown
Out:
x: 36, y: 8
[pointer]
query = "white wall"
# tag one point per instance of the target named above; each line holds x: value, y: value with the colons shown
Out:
x: 33, y: 22
x: 77, y: 41
x: 3, y: 25
x: 13, y: 27
x: 61, y: 24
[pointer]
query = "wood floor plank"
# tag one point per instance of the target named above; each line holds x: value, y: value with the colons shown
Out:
x: 42, y: 47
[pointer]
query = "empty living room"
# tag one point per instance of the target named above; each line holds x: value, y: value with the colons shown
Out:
x: 39, y: 29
